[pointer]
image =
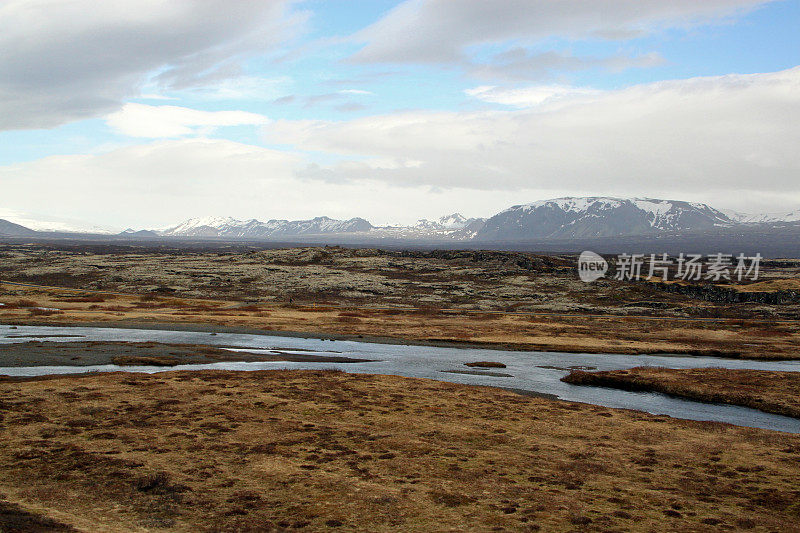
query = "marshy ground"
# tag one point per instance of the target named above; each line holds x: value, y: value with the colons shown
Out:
x: 273, y: 450
x: 279, y: 450
x: 772, y: 392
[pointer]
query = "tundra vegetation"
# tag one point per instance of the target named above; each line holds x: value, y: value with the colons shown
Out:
x: 227, y: 451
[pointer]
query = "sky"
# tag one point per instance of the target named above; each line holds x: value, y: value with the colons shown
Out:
x: 145, y: 113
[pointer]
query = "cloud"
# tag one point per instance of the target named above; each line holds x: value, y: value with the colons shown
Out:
x: 356, y: 91
x: 703, y: 136
x: 520, y: 64
x: 159, y: 181
x: 283, y: 100
x: 729, y: 141
x: 239, y: 87
x: 528, y: 96
x: 351, y: 107
x: 80, y: 59
x: 439, y: 31
x: 164, y: 182
x: 342, y: 100
x: 139, y: 120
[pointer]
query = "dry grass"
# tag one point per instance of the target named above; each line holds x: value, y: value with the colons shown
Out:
x: 446, y: 296
x: 589, y: 334
x: 83, y: 299
x: 38, y: 311
x: 773, y: 392
x: 16, y: 304
x: 772, y: 285
x: 260, y: 451
x: 246, y: 308
x: 135, y: 360
x: 486, y: 364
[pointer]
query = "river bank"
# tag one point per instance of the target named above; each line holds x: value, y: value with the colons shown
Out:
x: 771, y: 392
x: 533, y: 373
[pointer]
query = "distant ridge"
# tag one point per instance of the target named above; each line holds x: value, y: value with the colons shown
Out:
x: 14, y: 230
x: 559, y: 220
x: 454, y: 226
x: 255, y: 229
x: 601, y: 216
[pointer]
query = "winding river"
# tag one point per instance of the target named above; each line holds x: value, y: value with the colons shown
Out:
x: 533, y: 372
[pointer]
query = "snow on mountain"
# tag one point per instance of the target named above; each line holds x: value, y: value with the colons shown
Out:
x: 39, y: 222
x: 448, y: 227
x: 454, y: 221
x: 233, y: 228
x: 763, y: 218
x: 559, y: 218
x: 202, y: 227
x: 447, y: 222
x: 454, y: 226
x: 570, y: 217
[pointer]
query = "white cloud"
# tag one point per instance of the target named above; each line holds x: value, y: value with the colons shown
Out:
x: 154, y: 96
x: 162, y: 183
x: 79, y: 59
x: 697, y: 137
x: 356, y: 91
x: 139, y: 120
x: 240, y: 88
x: 521, y: 64
x: 528, y: 96
x: 729, y: 141
x: 434, y: 31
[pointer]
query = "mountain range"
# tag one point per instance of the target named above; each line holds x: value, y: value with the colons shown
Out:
x: 227, y: 227
x: 453, y: 226
x: 557, y: 219
x: 576, y: 218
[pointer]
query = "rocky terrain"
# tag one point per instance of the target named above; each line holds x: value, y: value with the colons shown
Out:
x: 508, y: 299
x: 471, y: 280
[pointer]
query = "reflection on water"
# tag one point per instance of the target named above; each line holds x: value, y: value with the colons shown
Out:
x: 538, y: 372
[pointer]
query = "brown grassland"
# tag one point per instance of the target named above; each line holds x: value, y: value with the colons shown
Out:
x: 568, y: 333
x: 773, y: 392
x: 506, y: 299
x: 288, y: 450
x: 280, y: 450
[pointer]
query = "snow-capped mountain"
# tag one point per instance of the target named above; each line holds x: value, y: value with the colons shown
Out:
x: 764, y: 218
x: 454, y: 226
x: 569, y: 218
x: 447, y: 222
x: 448, y: 227
x: 40, y: 222
x: 560, y: 218
x: 455, y: 221
x: 255, y: 229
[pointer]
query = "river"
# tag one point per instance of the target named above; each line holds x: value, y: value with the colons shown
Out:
x: 533, y: 372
